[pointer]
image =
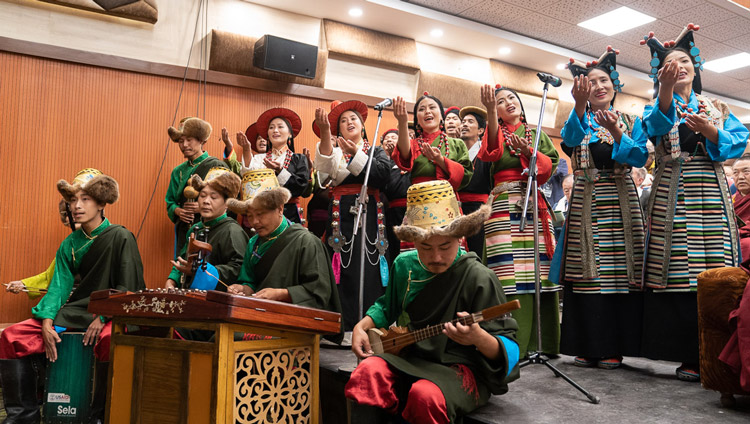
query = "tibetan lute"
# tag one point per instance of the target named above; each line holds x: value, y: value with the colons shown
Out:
x: 396, y: 338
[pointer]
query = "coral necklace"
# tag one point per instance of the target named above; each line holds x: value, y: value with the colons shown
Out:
x: 443, y: 142
x: 506, y: 135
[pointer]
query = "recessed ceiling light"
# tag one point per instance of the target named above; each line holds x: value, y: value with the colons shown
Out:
x: 728, y: 63
x: 355, y: 12
x: 617, y: 21
x: 562, y: 66
x: 437, y: 33
x: 651, y: 91
x: 504, y: 50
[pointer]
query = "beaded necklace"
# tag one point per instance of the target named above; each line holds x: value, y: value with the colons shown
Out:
x: 683, y: 109
x: 602, y: 133
x: 443, y: 142
x: 506, y: 135
x: 287, y: 159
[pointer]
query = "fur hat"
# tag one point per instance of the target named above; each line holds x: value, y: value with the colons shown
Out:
x: 432, y: 209
x: 191, y: 127
x: 103, y: 188
x: 222, y: 180
x: 260, y: 188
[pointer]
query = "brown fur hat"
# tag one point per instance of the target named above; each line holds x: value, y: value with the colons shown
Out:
x: 103, y: 188
x: 227, y: 183
x: 191, y: 127
x: 264, y: 200
x: 463, y: 226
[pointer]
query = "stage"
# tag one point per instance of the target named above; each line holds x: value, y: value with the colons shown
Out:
x: 640, y: 391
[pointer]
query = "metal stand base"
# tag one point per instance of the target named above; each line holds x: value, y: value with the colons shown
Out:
x: 539, y: 358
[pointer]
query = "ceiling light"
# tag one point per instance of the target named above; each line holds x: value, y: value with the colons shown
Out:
x: 617, y: 21
x: 437, y: 33
x: 651, y: 91
x: 728, y: 63
x: 561, y: 66
x: 504, y: 50
x: 355, y: 12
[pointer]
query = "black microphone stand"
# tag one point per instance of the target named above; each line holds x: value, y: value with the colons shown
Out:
x: 361, y: 219
x: 538, y: 357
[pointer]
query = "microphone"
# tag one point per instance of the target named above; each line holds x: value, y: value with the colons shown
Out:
x: 549, y: 79
x: 384, y: 104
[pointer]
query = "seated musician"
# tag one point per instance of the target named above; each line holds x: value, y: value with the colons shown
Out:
x: 227, y: 238
x: 103, y: 256
x: 283, y: 261
x: 37, y: 285
x: 447, y: 376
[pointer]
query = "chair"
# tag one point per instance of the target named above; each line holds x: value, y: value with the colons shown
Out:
x: 719, y: 292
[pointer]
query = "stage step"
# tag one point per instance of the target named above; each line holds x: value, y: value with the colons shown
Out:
x: 336, y: 365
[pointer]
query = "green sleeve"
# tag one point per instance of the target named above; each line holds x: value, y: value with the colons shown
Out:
x: 173, y: 196
x: 233, y: 248
x: 315, y: 278
x: 60, y: 286
x: 233, y: 164
x: 461, y: 156
x: 247, y: 274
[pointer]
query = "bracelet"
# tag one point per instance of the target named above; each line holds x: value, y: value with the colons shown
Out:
x: 102, y: 319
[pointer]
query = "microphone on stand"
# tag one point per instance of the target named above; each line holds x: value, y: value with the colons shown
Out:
x: 384, y: 104
x: 549, y: 79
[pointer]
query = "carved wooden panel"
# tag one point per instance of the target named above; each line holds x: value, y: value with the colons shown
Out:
x: 273, y: 386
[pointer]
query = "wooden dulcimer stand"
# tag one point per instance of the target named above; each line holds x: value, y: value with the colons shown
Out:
x: 156, y: 378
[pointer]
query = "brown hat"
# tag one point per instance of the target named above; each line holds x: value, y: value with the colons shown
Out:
x: 260, y: 188
x: 222, y: 180
x: 103, y: 188
x: 191, y: 128
x: 432, y: 209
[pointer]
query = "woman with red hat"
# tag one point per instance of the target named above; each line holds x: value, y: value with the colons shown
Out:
x: 433, y: 155
x: 343, y: 167
x: 280, y: 126
x: 252, y: 143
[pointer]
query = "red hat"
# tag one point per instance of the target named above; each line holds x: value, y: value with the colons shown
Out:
x: 337, y: 108
x: 266, y: 117
x: 252, y: 135
x: 453, y: 109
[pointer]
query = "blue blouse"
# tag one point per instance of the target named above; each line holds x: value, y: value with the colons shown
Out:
x: 732, y: 137
x: 630, y: 150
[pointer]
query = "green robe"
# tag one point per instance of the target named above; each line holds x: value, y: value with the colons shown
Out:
x: 181, y: 175
x: 228, y: 241
x: 509, y: 161
x: 108, y: 258
x: 460, y: 168
x: 295, y: 260
x: 418, y: 298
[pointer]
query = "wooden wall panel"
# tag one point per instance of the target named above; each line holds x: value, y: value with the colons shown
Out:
x: 58, y: 117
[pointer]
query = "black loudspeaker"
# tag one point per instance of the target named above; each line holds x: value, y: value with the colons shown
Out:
x: 287, y: 56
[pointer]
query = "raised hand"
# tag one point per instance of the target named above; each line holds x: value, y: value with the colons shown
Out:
x: 242, y: 140
x: 669, y: 74
x: 347, y: 146
x: 487, y: 94
x: 610, y: 121
x: 306, y: 152
x: 701, y: 124
x: 581, y: 90
x: 321, y: 119
x: 399, y: 109
x: 519, y: 144
x: 268, y: 163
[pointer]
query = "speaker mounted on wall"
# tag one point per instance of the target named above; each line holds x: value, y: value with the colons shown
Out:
x: 281, y: 55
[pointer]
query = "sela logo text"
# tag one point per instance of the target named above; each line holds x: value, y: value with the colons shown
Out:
x: 58, y: 398
x: 66, y: 411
